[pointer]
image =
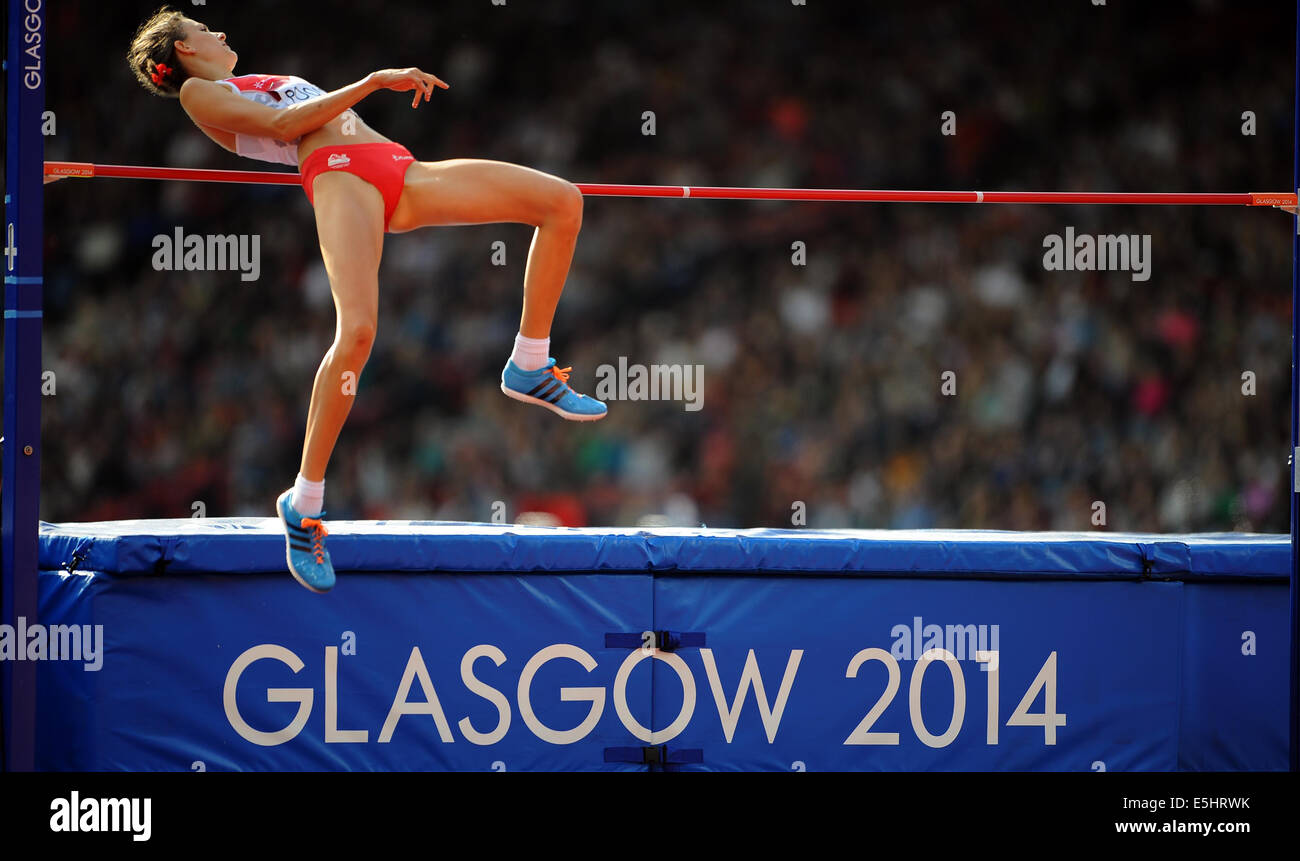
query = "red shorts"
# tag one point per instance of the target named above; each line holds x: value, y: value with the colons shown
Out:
x: 381, y: 164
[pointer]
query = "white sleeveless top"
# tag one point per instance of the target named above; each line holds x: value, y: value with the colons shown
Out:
x: 277, y: 92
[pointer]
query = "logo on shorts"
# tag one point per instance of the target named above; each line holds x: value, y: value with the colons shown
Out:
x: 338, y: 159
x: 397, y: 157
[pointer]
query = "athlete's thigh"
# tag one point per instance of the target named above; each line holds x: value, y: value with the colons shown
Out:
x: 476, y: 191
x: 350, y: 227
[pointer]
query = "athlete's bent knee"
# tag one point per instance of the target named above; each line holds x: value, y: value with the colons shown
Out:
x: 566, y: 209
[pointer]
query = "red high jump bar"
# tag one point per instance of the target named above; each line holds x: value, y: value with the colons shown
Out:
x: 65, y: 169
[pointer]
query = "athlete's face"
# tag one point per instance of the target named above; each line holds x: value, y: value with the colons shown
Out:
x: 204, y: 44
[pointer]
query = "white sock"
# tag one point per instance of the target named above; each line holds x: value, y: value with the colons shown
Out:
x: 308, y: 496
x: 531, y: 353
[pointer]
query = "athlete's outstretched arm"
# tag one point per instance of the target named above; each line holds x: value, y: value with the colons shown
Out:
x: 211, y: 104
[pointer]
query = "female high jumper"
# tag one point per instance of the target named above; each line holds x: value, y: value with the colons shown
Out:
x: 362, y: 185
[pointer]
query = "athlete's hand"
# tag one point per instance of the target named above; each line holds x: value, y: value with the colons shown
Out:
x: 407, y: 79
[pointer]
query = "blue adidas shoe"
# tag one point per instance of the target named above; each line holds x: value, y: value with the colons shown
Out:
x: 549, y: 387
x: 309, y: 561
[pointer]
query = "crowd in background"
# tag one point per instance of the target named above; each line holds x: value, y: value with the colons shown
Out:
x: 826, y: 332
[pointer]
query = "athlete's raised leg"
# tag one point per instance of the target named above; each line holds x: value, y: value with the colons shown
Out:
x: 480, y: 191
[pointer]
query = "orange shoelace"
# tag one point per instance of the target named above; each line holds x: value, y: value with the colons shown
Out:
x: 562, y: 374
x: 318, y: 533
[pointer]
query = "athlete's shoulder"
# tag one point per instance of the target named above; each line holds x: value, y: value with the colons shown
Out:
x: 192, y: 87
